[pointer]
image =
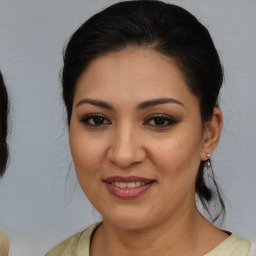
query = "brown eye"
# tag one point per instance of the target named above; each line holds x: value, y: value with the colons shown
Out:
x: 95, y: 120
x: 161, y: 121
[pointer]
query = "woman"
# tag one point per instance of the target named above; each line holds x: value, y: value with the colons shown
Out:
x: 4, y: 241
x: 141, y: 81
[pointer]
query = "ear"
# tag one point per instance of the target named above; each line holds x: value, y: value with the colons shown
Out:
x: 212, y: 132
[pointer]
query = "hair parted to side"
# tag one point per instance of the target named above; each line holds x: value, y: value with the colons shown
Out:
x: 169, y: 30
x: 4, y: 109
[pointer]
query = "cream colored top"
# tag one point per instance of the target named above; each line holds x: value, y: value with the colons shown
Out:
x: 79, y: 245
x: 4, y: 244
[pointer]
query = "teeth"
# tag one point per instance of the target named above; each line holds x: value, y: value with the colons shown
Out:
x: 121, y: 185
x: 128, y: 184
x: 137, y: 183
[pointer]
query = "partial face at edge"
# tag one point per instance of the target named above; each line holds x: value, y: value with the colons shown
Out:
x: 134, y: 116
x: 3, y: 126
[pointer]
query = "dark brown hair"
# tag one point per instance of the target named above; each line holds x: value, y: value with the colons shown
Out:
x: 4, y: 109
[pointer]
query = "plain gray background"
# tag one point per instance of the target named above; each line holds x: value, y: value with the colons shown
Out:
x: 40, y: 200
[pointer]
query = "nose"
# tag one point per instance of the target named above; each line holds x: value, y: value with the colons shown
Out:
x: 126, y: 147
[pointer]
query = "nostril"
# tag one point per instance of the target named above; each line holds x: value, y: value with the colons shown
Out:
x: 126, y: 149
x: 126, y: 158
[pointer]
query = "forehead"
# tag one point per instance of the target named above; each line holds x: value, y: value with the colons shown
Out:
x: 132, y: 73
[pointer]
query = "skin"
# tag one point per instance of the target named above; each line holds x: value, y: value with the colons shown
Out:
x: 129, y: 142
x: 4, y: 244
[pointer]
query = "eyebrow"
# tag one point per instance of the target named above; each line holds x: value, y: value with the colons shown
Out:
x: 141, y: 106
x: 154, y: 102
x: 97, y: 103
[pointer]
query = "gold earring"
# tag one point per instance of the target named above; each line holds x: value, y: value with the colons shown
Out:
x: 208, y: 163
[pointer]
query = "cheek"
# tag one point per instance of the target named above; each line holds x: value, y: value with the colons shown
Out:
x: 178, y: 161
x: 179, y: 155
x: 87, y: 155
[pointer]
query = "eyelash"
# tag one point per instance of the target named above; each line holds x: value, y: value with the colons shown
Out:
x: 165, y: 121
x: 95, y: 117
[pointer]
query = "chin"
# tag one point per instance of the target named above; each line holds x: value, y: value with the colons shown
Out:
x: 129, y: 219
x: 130, y: 224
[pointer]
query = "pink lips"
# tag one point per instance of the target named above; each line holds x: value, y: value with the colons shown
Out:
x: 128, y: 193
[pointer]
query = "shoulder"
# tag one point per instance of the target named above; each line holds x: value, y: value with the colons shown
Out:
x: 4, y: 244
x: 76, y: 245
x: 253, y: 250
x: 232, y: 246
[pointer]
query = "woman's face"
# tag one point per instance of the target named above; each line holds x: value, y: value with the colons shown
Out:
x: 136, y: 138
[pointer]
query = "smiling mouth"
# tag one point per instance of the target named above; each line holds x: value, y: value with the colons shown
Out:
x: 129, y: 184
x: 128, y: 187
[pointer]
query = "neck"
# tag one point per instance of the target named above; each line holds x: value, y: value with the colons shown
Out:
x: 166, y: 238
